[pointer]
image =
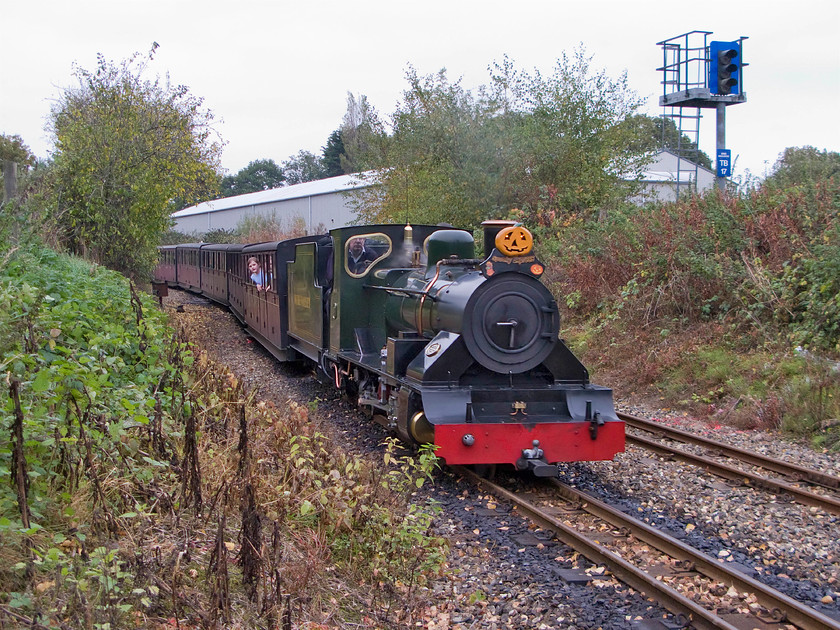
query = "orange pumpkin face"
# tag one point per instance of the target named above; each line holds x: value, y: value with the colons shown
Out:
x: 514, y: 241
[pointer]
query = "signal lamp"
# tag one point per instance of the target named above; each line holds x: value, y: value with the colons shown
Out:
x: 725, y: 67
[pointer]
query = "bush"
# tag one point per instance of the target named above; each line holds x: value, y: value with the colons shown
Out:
x: 768, y: 260
x: 92, y: 413
x: 127, y: 470
x: 711, y: 300
x: 263, y: 229
x: 809, y: 290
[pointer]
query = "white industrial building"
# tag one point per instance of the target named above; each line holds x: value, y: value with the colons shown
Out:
x: 669, y: 175
x: 319, y: 205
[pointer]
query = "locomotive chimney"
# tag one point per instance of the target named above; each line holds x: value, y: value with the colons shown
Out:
x: 491, y: 229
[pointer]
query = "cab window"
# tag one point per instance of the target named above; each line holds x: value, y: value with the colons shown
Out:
x: 363, y: 252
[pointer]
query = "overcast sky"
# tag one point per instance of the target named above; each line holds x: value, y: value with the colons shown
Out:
x: 276, y: 73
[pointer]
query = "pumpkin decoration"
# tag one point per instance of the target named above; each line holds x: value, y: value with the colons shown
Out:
x: 514, y: 241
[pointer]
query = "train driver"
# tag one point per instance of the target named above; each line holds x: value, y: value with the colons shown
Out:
x: 359, y: 257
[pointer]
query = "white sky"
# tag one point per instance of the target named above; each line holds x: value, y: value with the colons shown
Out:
x: 276, y: 73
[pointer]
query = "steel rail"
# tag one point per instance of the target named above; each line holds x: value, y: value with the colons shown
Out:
x: 830, y: 504
x: 631, y: 575
x: 751, y: 457
x: 795, y: 612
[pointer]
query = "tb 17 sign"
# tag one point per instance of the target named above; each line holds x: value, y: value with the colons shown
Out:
x: 724, y: 163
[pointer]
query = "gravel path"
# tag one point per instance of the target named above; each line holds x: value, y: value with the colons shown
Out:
x: 503, y: 574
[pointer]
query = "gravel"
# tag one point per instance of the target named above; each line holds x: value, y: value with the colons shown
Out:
x: 502, y: 573
x: 791, y: 547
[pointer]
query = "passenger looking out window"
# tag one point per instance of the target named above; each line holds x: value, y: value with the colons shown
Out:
x: 258, y: 276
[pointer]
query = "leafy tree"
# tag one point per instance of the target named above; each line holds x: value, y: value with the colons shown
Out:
x: 13, y: 149
x: 549, y: 145
x: 258, y: 175
x: 332, y: 155
x: 125, y: 149
x: 362, y: 135
x: 356, y: 145
x: 303, y: 167
x: 442, y: 159
x: 798, y: 166
x: 569, y: 135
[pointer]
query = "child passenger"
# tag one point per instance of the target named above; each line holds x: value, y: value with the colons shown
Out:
x: 258, y: 276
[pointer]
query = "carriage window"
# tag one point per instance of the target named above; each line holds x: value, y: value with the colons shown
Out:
x: 268, y: 265
x: 259, y: 269
x: 364, y: 251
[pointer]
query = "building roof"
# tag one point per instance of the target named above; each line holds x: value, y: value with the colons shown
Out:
x: 284, y: 193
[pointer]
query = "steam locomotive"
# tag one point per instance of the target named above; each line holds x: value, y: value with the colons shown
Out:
x: 439, y: 345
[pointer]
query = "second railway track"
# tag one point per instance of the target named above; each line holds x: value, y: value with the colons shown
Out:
x: 776, y: 606
x: 795, y: 475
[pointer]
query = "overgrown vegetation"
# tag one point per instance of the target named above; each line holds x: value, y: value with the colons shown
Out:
x: 569, y: 137
x: 258, y: 175
x: 728, y: 304
x: 13, y: 149
x: 140, y: 486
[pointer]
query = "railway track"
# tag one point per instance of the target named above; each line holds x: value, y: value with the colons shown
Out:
x: 776, y: 607
x: 794, y: 474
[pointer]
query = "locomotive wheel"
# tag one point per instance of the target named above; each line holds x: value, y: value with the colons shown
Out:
x: 350, y: 389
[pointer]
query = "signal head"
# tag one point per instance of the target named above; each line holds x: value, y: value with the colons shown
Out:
x: 725, y: 67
